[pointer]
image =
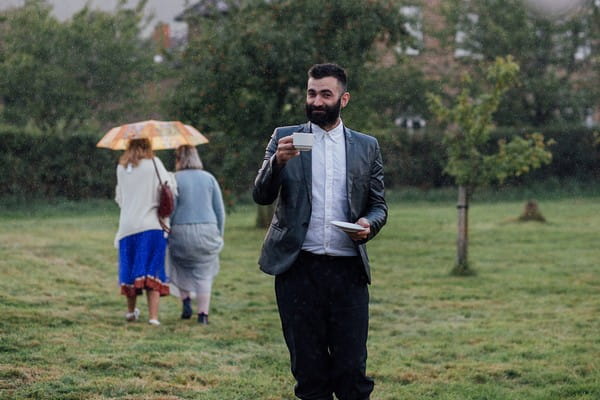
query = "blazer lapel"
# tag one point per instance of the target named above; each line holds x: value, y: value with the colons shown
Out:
x: 351, y: 152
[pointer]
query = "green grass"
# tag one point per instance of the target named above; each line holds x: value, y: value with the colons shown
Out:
x: 525, y: 327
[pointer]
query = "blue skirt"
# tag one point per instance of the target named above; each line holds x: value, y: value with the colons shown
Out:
x: 142, y: 263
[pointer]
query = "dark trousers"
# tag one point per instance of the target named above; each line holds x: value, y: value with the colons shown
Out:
x: 323, y: 304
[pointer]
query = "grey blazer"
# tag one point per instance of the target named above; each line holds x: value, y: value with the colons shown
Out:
x: 292, y: 184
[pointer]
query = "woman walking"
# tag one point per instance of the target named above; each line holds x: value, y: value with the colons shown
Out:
x: 140, y: 238
x: 197, y: 228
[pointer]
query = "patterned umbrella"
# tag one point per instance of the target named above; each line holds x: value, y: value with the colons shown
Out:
x: 162, y: 134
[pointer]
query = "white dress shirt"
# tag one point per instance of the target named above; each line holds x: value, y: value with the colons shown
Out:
x: 329, y: 194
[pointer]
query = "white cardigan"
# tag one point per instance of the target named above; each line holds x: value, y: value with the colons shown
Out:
x: 137, y: 196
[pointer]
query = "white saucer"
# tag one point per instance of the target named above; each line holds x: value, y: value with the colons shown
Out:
x: 347, y: 226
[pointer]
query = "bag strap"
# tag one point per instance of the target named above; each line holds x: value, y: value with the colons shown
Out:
x: 164, y: 226
x: 162, y: 223
x: 157, y: 174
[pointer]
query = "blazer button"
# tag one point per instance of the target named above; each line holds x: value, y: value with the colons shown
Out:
x: 305, y: 224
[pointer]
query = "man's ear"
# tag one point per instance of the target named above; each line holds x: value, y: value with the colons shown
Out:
x: 345, y: 99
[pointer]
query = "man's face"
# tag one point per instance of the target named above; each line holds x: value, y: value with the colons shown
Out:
x: 324, y: 100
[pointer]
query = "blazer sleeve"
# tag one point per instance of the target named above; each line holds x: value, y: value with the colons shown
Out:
x: 268, y: 180
x: 377, y: 209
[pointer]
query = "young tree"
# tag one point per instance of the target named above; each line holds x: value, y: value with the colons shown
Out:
x: 469, y: 122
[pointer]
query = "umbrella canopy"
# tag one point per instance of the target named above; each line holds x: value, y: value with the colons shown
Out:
x: 162, y: 135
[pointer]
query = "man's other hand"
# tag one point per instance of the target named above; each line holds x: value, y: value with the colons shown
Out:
x: 364, y: 234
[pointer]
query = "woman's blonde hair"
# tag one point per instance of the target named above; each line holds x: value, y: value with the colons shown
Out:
x: 137, y: 149
x: 186, y: 157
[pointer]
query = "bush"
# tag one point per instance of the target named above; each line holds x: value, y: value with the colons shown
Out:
x: 413, y: 159
x: 49, y: 166
x: 418, y: 158
x: 575, y: 155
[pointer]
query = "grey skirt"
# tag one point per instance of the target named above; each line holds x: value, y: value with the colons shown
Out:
x: 193, y: 254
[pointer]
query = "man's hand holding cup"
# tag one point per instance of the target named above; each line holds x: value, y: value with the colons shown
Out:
x: 289, y: 147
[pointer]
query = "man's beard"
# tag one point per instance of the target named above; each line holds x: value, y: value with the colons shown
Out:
x: 327, y: 116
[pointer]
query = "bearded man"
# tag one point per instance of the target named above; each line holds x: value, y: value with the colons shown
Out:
x: 321, y: 272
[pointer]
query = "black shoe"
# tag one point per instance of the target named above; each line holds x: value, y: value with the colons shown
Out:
x: 203, y: 318
x: 186, y: 312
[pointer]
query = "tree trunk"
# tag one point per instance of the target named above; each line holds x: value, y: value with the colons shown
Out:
x: 462, y: 243
x: 264, y: 214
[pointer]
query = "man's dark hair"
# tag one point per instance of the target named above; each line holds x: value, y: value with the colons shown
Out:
x: 319, y: 71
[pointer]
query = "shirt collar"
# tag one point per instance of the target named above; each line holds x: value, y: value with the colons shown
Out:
x: 336, y: 134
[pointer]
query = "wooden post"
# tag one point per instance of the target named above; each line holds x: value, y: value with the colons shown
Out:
x: 463, y: 228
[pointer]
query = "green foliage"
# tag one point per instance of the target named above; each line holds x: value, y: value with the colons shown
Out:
x: 244, y: 73
x: 469, y: 123
x: 81, y: 170
x: 517, y: 157
x: 413, y: 159
x: 61, y: 76
x: 31, y: 162
x: 389, y: 92
x: 47, y: 166
x: 574, y: 155
x: 553, y: 70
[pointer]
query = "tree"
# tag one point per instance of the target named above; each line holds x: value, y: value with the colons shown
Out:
x: 57, y: 76
x: 469, y: 122
x: 556, y: 57
x: 245, y: 73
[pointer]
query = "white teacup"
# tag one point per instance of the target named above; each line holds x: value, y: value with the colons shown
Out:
x: 303, y: 141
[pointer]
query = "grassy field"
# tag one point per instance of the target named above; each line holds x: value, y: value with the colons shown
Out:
x: 527, y: 326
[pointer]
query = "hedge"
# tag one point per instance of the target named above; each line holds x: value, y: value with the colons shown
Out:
x: 417, y: 158
x: 575, y: 155
x: 48, y: 166
x: 34, y: 165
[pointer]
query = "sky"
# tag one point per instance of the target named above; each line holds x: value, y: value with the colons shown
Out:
x: 164, y: 10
